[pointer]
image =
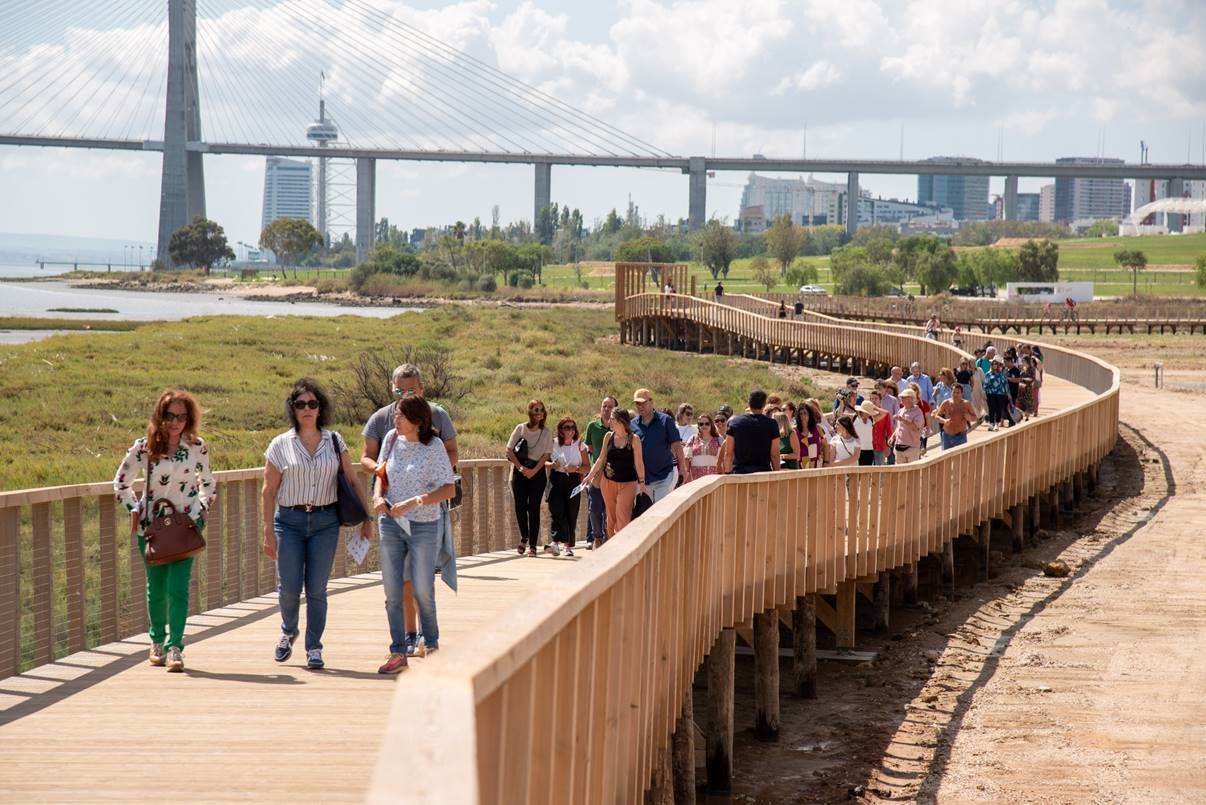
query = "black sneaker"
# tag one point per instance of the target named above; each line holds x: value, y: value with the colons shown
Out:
x: 284, y: 647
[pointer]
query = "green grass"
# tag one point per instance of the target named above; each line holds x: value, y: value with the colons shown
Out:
x: 1090, y: 253
x: 81, y: 310
x: 72, y: 405
x: 36, y: 323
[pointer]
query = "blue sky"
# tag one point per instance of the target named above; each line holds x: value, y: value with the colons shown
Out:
x: 1045, y: 79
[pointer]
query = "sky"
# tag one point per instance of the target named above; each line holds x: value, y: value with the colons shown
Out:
x: 1019, y: 79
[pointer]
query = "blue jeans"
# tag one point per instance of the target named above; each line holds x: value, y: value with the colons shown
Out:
x: 659, y: 489
x: 305, y: 551
x: 420, y: 547
x: 596, y: 516
x: 949, y: 441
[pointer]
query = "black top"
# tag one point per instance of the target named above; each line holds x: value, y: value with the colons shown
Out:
x: 752, y: 435
x: 1013, y: 371
x: 799, y: 308
x: 620, y: 465
x: 963, y: 376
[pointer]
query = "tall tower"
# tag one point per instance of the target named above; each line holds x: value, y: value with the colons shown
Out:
x: 322, y: 132
x: 182, y: 188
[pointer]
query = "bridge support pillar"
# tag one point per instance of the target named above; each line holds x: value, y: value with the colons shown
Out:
x: 1018, y: 525
x: 948, y: 569
x: 882, y: 602
x: 1176, y: 221
x: 851, y: 203
x: 697, y: 202
x: 719, y: 728
x: 182, y: 181
x: 908, y: 583
x: 985, y: 548
x: 544, y: 190
x: 847, y: 594
x: 804, y: 647
x: 366, y: 207
x: 1036, y: 513
x: 766, y: 676
x: 1011, y: 198
x: 683, y: 760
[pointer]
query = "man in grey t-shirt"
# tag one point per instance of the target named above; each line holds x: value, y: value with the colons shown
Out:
x: 406, y: 380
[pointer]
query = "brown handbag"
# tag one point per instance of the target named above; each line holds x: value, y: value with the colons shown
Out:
x: 171, y: 536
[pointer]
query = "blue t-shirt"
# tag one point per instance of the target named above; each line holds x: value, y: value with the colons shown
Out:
x: 656, y: 438
x: 996, y: 383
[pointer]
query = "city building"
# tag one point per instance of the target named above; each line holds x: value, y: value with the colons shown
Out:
x: 287, y: 190
x: 1047, y: 204
x: 887, y: 211
x: 1079, y: 199
x: 965, y: 196
x: 808, y: 201
x: 1028, y: 207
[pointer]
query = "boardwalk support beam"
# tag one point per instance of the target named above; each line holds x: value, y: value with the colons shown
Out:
x: 719, y: 748
x: 804, y: 647
x: 766, y: 676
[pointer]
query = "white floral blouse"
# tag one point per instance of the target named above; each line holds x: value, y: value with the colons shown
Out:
x: 184, y: 478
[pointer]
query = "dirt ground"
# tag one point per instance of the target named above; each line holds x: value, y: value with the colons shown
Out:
x: 1024, y: 688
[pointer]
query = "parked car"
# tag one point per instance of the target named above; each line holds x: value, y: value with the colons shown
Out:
x: 814, y: 290
x: 898, y: 292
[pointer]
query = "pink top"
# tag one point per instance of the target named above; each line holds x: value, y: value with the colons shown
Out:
x: 701, y: 456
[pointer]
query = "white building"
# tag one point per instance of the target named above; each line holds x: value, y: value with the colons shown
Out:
x: 1149, y: 190
x: 287, y: 190
x: 808, y: 201
x: 1047, y: 204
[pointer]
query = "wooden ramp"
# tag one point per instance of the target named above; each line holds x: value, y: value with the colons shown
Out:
x: 104, y: 726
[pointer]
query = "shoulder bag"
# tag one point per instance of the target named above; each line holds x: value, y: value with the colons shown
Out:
x: 170, y: 536
x: 347, y: 500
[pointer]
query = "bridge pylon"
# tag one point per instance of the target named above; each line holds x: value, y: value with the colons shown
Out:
x: 182, y: 188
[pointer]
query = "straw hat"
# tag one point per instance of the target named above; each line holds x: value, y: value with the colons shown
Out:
x: 866, y: 407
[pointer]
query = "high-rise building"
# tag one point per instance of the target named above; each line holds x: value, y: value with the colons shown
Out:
x: 287, y: 190
x: 1028, y: 207
x: 1047, y: 204
x: 808, y: 201
x: 966, y: 196
x: 1078, y: 199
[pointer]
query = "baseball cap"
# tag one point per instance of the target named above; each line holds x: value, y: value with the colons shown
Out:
x: 852, y: 381
x: 642, y: 395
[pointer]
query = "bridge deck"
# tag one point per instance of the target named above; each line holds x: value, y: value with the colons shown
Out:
x: 102, y: 725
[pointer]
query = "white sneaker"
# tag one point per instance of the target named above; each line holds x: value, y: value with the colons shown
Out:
x: 175, y: 659
x: 156, y: 656
x: 552, y: 548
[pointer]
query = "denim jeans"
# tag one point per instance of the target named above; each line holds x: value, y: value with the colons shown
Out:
x: 949, y: 441
x: 596, y: 515
x: 659, y: 489
x: 305, y: 551
x: 420, y: 546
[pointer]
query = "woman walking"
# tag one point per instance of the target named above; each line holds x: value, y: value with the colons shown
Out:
x: 301, y: 523
x: 528, y: 450
x: 703, y: 449
x: 1027, y: 392
x: 622, y: 468
x: 418, y: 478
x: 789, y: 442
x: 996, y: 389
x: 844, y: 445
x: 570, y: 463
x: 174, y: 462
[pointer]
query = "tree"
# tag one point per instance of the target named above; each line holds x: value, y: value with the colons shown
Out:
x: 645, y: 249
x: 864, y: 280
x: 201, y: 243
x: 784, y: 241
x: 1105, y: 228
x: 846, y: 258
x: 289, y: 239
x: 1134, y: 260
x: 546, y: 223
x: 1201, y: 265
x: 928, y: 260
x: 716, y: 247
x: 801, y: 272
x: 1038, y: 261
x: 763, y: 274
x: 981, y: 268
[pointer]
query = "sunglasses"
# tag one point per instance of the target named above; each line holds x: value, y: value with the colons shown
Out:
x: 168, y: 416
x: 300, y: 404
x: 404, y: 393
x: 535, y: 410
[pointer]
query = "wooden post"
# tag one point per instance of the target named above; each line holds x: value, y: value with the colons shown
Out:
x: 683, y: 761
x: 661, y: 784
x: 883, y: 601
x: 948, y: 569
x: 766, y: 676
x: 719, y: 733
x: 985, y: 547
x: 1066, y: 496
x: 1019, y: 528
x: 1053, y: 506
x: 847, y: 593
x: 1078, y: 487
x: 1036, y: 514
x: 908, y: 583
x: 804, y: 647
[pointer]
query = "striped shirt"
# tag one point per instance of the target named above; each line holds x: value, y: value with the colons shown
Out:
x: 305, y: 479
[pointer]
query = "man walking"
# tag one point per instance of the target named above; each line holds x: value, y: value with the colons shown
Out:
x: 957, y: 417
x: 909, y: 424
x: 661, y: 446
x: 752, y: 439
x: 596, y: 431
x: 923, y: 382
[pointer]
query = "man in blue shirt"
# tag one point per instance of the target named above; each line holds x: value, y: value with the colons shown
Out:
x: 923, y: 382
x: 661, y: 446
x: 852, y: 387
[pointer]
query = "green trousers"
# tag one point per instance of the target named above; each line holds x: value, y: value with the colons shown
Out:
x: 167, y: 599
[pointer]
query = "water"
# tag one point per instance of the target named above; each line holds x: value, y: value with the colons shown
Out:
x: 36, y: 298
x: 22, y: 270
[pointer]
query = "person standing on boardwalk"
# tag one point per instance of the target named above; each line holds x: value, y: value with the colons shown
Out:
x: 789, y: 442
x: 301, y: 524
x: 867, y: 416
x: 996, y: 388
x: 752, y: 439
x: 661, y: 446
x: 528, y: 450
x: 569, y: 463
x: 703, y: 450
x: 956, y: 416
x: 843, y: 445
x: 596, y: 430
x: 418, y: 478
x: 684, y: 419
x: 910, y: 423
x: 923, y: 381
x: 174, y: 461
x: 620, y: 469
x: 406, y: 379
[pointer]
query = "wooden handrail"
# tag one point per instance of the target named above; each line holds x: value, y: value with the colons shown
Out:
x: 578, y: 703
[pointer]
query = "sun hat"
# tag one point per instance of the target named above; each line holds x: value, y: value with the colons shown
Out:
x: 642, y: 395
x: 866, y: 407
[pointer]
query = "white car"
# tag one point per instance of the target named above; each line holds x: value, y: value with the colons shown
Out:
x: 814, y: 290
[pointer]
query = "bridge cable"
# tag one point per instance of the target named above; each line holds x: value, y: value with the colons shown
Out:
x: 145, y: 74
x: 106, y: 103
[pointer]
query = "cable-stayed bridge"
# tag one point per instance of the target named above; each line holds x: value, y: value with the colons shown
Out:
x: 240, y: 79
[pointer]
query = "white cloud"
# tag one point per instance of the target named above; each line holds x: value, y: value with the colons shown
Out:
x: 820, y: 74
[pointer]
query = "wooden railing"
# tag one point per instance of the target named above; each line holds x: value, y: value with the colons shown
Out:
x: 71, y: 577
x: 574, y: 699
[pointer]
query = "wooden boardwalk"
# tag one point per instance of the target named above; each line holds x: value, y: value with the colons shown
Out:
x: 102, y: 725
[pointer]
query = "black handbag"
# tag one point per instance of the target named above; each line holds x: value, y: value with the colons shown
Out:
x: 521, y: 454
x: 347, y: 500
x: 641, y: 504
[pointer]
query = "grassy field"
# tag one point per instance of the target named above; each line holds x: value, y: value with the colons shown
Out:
x: 73, y: 403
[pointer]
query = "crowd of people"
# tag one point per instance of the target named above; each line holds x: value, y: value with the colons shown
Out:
x: 626, y: 458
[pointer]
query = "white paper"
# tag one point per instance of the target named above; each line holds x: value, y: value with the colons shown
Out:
x: 358, y: 547
x: 579, y: 489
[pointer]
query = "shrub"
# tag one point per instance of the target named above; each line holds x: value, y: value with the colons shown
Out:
x: 487, y: 283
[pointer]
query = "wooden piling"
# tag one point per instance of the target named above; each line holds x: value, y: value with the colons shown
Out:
x: 883, y: 602
x: 683, y: 760
x: 1018, y: 524
x: 804, y: 647
x: 985, y: 547
x: 718, y: 751
x: 766, y: 676
x: 948, y: 569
